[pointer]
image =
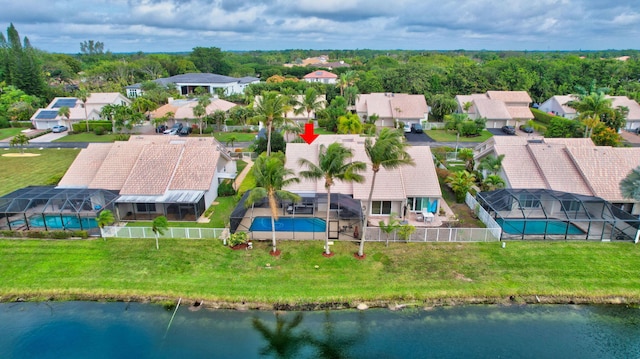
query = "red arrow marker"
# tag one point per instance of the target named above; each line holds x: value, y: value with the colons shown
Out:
x: 308, y: 136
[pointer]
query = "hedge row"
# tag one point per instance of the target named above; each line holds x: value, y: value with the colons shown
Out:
x: 44, y: 234
x: 542, y: 116
x: 82, y: 126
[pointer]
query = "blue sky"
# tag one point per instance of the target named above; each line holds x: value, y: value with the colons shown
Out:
x: 180, y: 25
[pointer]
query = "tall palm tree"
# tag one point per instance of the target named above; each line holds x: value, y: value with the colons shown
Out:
x: 630, y: 185
x: 271, y: 176
x: 159, y: 226
x: 311, y: 102
x: 203, y: 101
x: 270, y: 110
x: 83, y: 95
x: 334, y: 164
x: 347, y: 79
x: 105, y: 218
x: 388, y: 151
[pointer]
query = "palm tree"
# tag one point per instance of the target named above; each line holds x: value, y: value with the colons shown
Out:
x: 630, y: 185
x: 271, y: 176
x: 293, y: 128
x: 310, y: 103
x: 347, y: 79
x: 105, y: 218
x: 461, y: 182
x: 492, y: 164
x: 65, y: 112
x: 83, y: 95
x: 466, y: 154
x: 19, y: 140
x: 591, y: 109
x: 270, y: 110
x: 493, y: 182
x: 108, y: 112
x: 159, y: 226
x: 203, y: 101
x: 333, y: 165
x: 388, y: 151
x: 232, y: 139
x: 391, y: 225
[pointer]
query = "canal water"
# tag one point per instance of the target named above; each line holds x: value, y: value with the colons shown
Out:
x: 133, y: 330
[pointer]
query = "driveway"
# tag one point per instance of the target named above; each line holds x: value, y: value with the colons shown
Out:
x: 49, y: 137
x: 417, y: 139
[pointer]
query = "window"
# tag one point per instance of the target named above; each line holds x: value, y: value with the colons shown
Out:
x: 381, y: 207
x: 146, y: 207
x: 417, y: 203
x: 570, y: 206
x: 529, y: 201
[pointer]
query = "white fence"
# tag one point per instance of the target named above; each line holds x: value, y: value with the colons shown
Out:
x: 439, y: 234
x: 433, y: 125
x: 251, y: 128
x: 483, y: 215
x: 173, y: 232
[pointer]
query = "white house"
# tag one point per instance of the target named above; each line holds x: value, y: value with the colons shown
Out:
x: 48, y: 117
x: 392, y: 108
x: 499, y: 108
x: 187, y: 83
x: 557, y: 105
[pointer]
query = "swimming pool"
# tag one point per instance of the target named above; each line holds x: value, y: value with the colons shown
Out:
x: 59, y: 222
x: 517, y: 226
x: 285, y: 224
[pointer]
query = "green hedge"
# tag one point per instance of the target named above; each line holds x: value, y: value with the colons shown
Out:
x: 82, y: 126
x: 44, y: 234
x: 543, y: 117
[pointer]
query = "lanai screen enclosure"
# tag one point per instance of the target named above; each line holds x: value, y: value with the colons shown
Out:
x: 548, y: 214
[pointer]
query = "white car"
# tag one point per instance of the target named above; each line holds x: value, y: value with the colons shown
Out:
x: 407, y: 127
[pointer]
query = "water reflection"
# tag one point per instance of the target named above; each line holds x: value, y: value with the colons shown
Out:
x: 283, y: 341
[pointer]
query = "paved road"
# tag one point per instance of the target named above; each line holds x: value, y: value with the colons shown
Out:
x: 50, y: 145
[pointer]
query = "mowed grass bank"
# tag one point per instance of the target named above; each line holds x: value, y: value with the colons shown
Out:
x: 419, y: 273
x: 46, y: 169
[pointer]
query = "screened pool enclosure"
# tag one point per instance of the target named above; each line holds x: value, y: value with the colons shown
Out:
x: 50, y: 208
x: 547, y: 214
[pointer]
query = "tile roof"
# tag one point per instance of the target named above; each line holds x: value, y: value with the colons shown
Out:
x: 491, y: 109
x: 391, y: 185
x: 392, y: 105
x: 86, y: 165
x: 563, y: 100
x: 321, y: 74
x: 510, y: 96
x: 624, y: 101
x: 105, y: 98
x: 183, y: 109
x: 520, y: 112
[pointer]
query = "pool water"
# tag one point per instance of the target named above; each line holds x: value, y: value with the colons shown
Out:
x: 553, y: 227
x: 301, y: 224
x: 59, y: 222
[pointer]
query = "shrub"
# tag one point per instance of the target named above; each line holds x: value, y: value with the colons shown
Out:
x: 225, y: 189
x: 122, y: 137
x: 81, y: 234
x: 542, y: 116
x: 99, y: 130
x: 58, y: 234
x: 82, y: 125
x: 207, y: 130
x: 237, y: 238
x: 36, y: 234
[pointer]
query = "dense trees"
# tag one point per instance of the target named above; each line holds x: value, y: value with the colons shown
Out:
x: 20, y: 64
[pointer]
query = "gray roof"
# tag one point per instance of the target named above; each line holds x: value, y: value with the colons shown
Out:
x: 167, y: 197
x: 199, y: 78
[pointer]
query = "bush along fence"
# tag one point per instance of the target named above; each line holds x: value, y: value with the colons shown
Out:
x: 172, y: 232
x: 484, y: 216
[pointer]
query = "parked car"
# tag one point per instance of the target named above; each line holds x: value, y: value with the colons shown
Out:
x: 58, y: 128
x: 407, y: 127
x: 509, y: 130
x: 526, y: 128
x: 185, y: 131
x: 416, y: 128
x: 161, y: 128
x: 174, y: 129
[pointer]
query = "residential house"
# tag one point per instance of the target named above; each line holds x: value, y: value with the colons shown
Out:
x: 182, y: 110
x: 187, y: 83
x: 48, y: 117
x: 557, y: 105
x: 154, y: 175
x: 321, y: 76
x: 298, y: 114
x: 572, y: 165
x: 401, y: 190
x: 499, y: 108
x: 392, y: 108
x: 331, y: 65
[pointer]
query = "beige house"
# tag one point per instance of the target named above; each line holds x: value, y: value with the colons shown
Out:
x: 557, y: 105
x: 499, y: 108
x: 572, y: 165
x: 154, y: 175
x: 392, y: 108
x: 401, y: 191
x: 182, y: 110
x: 48, y: 117
x: 321, y: 76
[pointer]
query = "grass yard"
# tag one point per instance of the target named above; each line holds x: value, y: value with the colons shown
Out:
x: 446, y: 136
x: 46, y: 169
x: 88, y: 137
x: 10, y: 132
x: 420, y: 273
x: 224, y: 137
x: 218, y: 219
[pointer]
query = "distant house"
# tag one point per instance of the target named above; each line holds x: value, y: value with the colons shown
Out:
x: 47, y: 117
x: 331, y: 65
x: 187, y: 83
x: 321, y: 76
x: 302, y: 116
x: 183, y: 109
x: 499, y: 108
x: 414, y: 187
x: 392, y: 108
x: 572, y: 165
x: 557, y: 105
x: 154, y: 175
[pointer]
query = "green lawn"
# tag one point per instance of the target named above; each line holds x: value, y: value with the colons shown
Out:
x: 224, y: 137
x: 446, y: 136
x: 87, y: 137
x: 400, y: 273
x: 46, y: 169
x: 10, y: 132
x: 219, y: 219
